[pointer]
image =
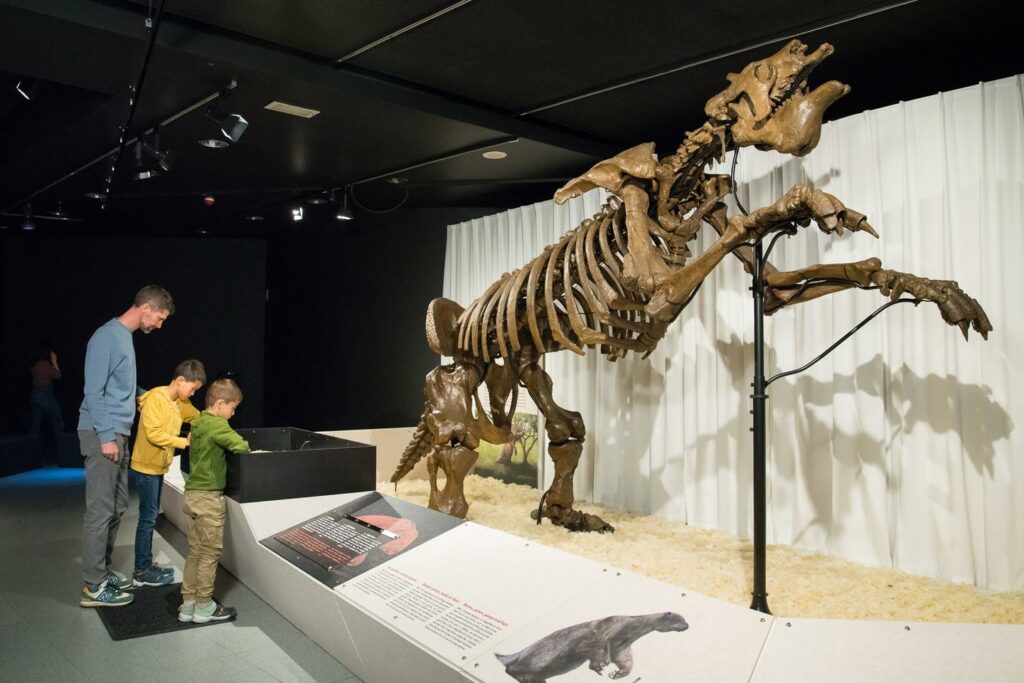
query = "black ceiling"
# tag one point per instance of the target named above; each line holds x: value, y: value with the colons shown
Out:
x: 416, y: 89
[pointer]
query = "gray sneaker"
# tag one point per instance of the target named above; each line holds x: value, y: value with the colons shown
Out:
x: 211, y: 611
x: 154, y: 576
x: 107, y: 596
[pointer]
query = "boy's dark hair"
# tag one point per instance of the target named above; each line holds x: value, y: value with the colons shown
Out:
x: 223, y: 390
x: 192, y: 370
x: 157, y: 297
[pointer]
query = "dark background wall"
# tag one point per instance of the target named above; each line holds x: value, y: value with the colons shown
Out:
x: 345, y: 320
x: 339, y: 343
x: 62, y: 287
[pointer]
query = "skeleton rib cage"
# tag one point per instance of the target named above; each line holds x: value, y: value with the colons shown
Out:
x: 571, y: 296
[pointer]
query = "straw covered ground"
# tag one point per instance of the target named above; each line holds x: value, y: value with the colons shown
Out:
x: 809, y: 585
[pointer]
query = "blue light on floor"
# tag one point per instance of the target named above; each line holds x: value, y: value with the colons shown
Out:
x: 46, y: 476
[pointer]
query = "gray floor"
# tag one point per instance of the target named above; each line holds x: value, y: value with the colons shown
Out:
x: 46, y: 636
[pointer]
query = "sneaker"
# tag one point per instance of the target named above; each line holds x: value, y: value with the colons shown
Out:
x: 187, y: 610
x: 154, y: 576
x: 211, y: 611
x: 107, y: 596
x: 118, y: 580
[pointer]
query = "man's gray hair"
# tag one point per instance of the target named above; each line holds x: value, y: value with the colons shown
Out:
x: 158, y: 298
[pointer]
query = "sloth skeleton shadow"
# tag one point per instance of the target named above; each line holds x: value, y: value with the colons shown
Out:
x: 601, y: 642
x: 618, y: 280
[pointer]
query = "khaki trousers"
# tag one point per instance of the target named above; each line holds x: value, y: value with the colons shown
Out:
x: 205, y: 512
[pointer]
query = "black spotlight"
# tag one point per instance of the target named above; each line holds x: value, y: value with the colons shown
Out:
x: 27, y: 222
x: 231, y: 125
x: 150, y: 158
x: 163, y: 158
x: 343, y: 213
x: 143, y: 171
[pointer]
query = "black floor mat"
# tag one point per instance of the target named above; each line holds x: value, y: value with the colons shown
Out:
x: 154, y: 610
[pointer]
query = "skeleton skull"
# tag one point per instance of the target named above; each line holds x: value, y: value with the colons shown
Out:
x: 768, y: 105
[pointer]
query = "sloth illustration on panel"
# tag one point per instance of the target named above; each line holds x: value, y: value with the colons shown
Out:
x: 601, y: 642
x: 615, y: 282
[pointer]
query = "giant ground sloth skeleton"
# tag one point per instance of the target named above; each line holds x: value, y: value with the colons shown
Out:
x: 618, y: 280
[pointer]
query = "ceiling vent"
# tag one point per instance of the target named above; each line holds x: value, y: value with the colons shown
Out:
x: 292, y: 109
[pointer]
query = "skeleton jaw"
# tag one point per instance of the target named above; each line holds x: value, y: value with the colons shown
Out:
x: 795, y: 127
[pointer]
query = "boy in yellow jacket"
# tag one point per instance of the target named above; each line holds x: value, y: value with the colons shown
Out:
x: 162, y: 411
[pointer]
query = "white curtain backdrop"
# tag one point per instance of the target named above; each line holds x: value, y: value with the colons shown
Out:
x: 901, y: 448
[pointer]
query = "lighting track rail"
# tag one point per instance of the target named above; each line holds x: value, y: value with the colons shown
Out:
x: 130, y: 141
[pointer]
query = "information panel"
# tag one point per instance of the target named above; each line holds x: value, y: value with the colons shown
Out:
x: 342, y: 543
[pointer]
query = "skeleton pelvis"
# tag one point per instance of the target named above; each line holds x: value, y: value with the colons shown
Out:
x: 442, y: 323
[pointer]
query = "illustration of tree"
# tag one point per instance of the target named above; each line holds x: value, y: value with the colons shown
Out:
x: 526, y: 426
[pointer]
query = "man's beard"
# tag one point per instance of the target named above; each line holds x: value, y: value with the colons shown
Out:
x: 146, y: 329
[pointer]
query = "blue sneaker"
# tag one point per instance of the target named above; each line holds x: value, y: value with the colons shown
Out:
x: 154, y: 576
x: 118, y: 580
x: 107, y: 596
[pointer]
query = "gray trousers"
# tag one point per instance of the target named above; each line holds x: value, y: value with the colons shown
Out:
x: 106, y: 499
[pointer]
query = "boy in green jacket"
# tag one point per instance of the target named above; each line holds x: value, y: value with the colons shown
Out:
x: 204, y: 504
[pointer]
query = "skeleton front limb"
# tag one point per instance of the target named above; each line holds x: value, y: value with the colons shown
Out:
x: 801, y: 205
x: 786, y: 288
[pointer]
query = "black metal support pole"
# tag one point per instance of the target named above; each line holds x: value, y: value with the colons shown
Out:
x: 760, y: 593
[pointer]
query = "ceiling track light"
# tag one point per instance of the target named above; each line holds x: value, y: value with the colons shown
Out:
x: 27, y: 223
x: 163, y: 158
x: 296, y: 213
x: 142, y: 170
x: 151, y: 159
x: 232, y: 126
x: 343, y: 213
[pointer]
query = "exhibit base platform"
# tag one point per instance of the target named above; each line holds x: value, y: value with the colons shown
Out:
x: 465, y: 602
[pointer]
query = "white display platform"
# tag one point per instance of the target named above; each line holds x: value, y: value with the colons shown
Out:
x: 442, y: 610
x: 835, y: 650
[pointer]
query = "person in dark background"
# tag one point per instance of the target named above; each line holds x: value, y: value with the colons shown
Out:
x: 42, y: 403
x: 104, y: 423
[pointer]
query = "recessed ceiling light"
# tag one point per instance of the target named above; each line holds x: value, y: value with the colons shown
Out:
x: 318, y: 200
x: 254, y: 217
x: 96, y: 195
x: 396, y: 180
x: 495, y: 154
x: 213, y: 143
x: 202, y: 231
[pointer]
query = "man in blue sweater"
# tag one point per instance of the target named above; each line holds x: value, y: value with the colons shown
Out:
x: 104, y: 423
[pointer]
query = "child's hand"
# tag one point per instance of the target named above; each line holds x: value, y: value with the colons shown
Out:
x: 188, y: 439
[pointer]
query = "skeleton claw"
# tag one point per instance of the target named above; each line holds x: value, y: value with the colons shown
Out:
x: 897, y: 290
x: 965, y: 325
